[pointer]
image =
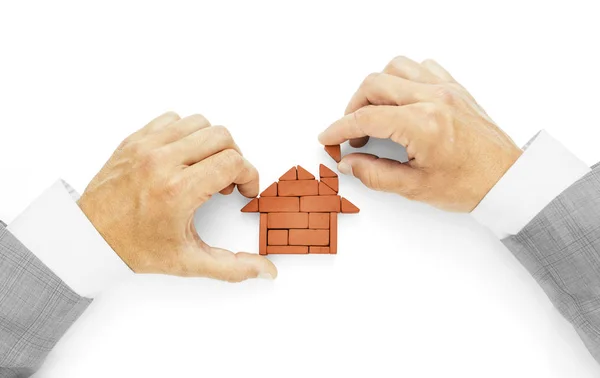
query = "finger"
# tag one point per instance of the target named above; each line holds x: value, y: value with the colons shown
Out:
x: 180, y: 129
x: 228, y: 190
x: 381, y: 174
x: 406, y: 68
x: 217, y: 172
x: 386, y: 89
x: 439, y: 71
x: 225, y: 265
x: 399, y: 123
x: 157, y: 123
x: 200, y: 145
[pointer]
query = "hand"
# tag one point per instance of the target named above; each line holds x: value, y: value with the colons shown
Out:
x: 456, y: 152
x: 143, y: 200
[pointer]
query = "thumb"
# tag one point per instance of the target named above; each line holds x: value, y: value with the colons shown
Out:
x: 225, y: 265
x: 381, y: 174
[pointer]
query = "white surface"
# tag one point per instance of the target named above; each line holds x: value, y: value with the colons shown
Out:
x: 58, y: 232
x: 544, y: 170
x: 413, y: 291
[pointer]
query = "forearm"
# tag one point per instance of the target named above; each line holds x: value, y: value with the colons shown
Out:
x: 36, y: 308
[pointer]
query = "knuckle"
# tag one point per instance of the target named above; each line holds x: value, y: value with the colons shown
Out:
x: 446, y: 94
x: 371, y: 79
x: 136, y: 148
x: 232, y: 157
x: 199, y: 119
x: 172, y: 188
x: 222, y: 132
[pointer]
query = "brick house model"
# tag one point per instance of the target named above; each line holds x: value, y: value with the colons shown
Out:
x: 298, y: 214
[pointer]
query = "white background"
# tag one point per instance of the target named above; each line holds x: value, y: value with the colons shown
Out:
x: 413, y: 292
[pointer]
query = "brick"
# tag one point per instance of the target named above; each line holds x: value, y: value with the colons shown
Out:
x: 308, y: 237
x: 289, y: 175
x: 324, y: 190
x: 314, y: 249
x: 335, y: 152
x: 317, y: 204
x: 331, y: 182
x: 287, y: 220
x: 277, y: 237
x: 251, y: 207
x: 271, y: 191
x: 303, y: 174
x: 287, y: 249
x: 262, y: 235
x: 298, y: 188
x: 278, y: 204
x: 333, y: 233
x: 326, y: 172
x: 318, y: 220
x: 348, y: 207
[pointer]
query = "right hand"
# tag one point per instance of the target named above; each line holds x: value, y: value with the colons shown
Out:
x: 456, y: 152
x: 144, y: 199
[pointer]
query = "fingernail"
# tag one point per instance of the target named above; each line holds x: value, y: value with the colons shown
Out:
x: 266, y: 276
x: 345, y: 168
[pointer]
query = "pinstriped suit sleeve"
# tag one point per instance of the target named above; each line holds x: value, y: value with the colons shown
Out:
x: 560, y: 247
x: 36, y: 308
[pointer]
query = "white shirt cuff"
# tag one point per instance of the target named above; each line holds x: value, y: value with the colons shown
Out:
x: 544, y: 170
x: 55, y: 229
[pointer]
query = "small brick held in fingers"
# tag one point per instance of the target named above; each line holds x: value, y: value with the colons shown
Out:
x: 318, y: 220
x: 289, y: 175
x: 287, y: 220
x: 335, y: 152
x: 308, y: 237
x: 348, y: 207
x: 287, y: 249
x: 278, y: 204
x: 326, y: 172
x: 251, y: 207
x: 271, y: 191
x: 262, y: 235
x: 319, y: 250
x: 298, y: 188
x: 333, y: 233
x: 317, y: 204
x: 277, y: 237
x: 332, y: 182
x: 303, y: 174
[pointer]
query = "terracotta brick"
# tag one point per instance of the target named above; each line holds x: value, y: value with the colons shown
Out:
x: 262, y: 235
x: 289, y: 175
x: 317, y: 204
x: 333, y: 233
x: 318, y: 220
x: 332, y: 182
x: 287, y: 249
x: 348, y: 207
x: 308, y: 237
x: 287, y: 220
x: 303, y: 174
x: 271, y: 191
x: 324, y: 190
x: 251, y: 207
x: 313, y: 249
x: 326, y: 172
x: 335, y: 152
x: 298, y: 188
x: 277, y: 237
x: 278, y: 204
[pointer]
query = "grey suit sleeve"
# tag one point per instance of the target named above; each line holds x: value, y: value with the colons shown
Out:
x: 560, y: 247
x: 36, y: 308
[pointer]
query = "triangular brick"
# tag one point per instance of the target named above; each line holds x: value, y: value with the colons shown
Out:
x: 289, y: 175
x: 251, y: 207
x: 303, y: 174
x: 271, y: 191
x: 335, y: 152
x: 326, y: 172
x: 324, y: 190
x: 332, y: 182
x: 348, y: 207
